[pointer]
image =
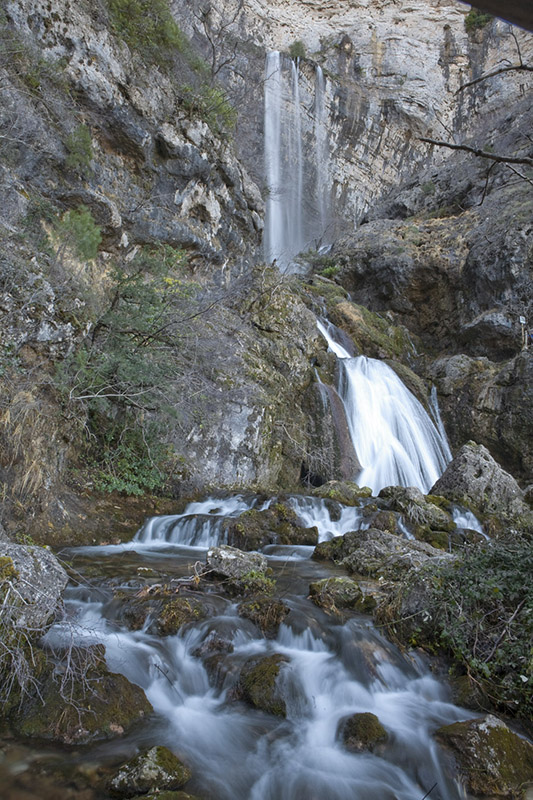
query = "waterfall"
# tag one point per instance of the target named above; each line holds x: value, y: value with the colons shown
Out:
x: 395, y: 439
x: 321, y: 150
x: 297, y: 181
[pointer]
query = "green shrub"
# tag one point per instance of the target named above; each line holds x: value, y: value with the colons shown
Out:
x: 78, y: 230
x: 148, y: 28
x: 330, y: 272
x: 428, y: 187
x: 80, y: 151
x: 476, y: 19
x: 297, y: 50
x: 485, y: 617
x: 121, y: 378
x: 211, y: 104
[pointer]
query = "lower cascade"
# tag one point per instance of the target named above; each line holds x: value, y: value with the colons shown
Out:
x: 330, y: 670
x: 396, y: 441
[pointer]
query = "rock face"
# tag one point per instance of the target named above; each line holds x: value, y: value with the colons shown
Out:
x: 475, y: 476
x: 31, y: 583
x: 491, y: 760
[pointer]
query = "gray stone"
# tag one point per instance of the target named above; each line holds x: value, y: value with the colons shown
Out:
x: 229, y: 562
x: 154, y: 769
x: 33, y: 594
x: 475, y: 477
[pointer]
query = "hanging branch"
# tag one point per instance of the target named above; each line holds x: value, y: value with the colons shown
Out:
x: 520, y: 67
x: 481, y: 153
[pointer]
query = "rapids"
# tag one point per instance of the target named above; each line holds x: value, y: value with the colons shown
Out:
x: 333, y: 670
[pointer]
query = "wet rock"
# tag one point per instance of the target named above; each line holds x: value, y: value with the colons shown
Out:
x: 377, y: 553
x: 152, y: 770
x: 165, y: 611
x: 336, y: 595
x: 277, y: 524
x: 474, y: 478
x: 31, y: 583
x: 258, y: 684
x: 416, y: 508
x: 491, y: 760
x: 362, y: 732
x: 264, y: 612
x: 229, y: 562
x: 349, y: 494
x: 167, y: 796
x: 87, y: 704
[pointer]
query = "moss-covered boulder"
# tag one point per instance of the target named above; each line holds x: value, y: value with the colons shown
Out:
x: 376, y: 553
x: 258, y: 686
x: 160, y: 606
x: 491, y: 760
x: 417, y: 509
x: 361, y: 732
x: 345, y: 492
x: 277, y: 524
x: 337, y: 595
x: 265, y: 612
x: 373, y: 334
x: 152, y: 770
x: 86, y: 703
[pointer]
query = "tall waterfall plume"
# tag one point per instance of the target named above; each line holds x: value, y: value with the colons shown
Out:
x: 296, y: 161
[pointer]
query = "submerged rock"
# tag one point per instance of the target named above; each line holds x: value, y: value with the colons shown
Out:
x: 491, y: 760
x: 362, y: 732
x: 258, y: 684
x: 152, y: 770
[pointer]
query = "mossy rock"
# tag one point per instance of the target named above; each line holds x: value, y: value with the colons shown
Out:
x: 417, y: 509
x: 258, y: 684
x: 489, y: 757
x: 266, y: 613
x: 166, y: 796
x: 101, y: 705
x: 372, y: 333
x: 277, y: 524
x: 438, y: 539
x: 385, y: 521
x: 167, y: 612
x: 345, y: 492
x: 362, y: 732
x: 152, y: 770
x: 337, y: 548
x: 337, y: 595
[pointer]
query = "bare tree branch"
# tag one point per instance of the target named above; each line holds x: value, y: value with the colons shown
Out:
x: 476, y: 151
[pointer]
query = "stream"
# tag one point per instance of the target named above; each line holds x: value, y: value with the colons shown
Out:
x: 333, y: 670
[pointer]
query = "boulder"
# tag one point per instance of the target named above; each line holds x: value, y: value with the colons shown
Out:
x: 416, y: 508
x: 491, y: 760
x: 229, y: 562
x: 31, y: 583
x: 76, y: 702
x: 266, y: 613
x: 362, y: 732
x: 258, y: 684
x: 349, y: 494
x: 150, y: 771
x: 277, y: 524
x: 474, y: 478
x: 336, y: 595
x: 165, y: 611
x: 377, y: 554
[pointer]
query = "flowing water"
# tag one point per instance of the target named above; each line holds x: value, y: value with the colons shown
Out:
x: 333, y: 670
x: 395, y: 440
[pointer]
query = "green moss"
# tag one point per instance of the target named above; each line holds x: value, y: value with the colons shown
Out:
x: 177, y: 613
x: 264, y: 612
x: 257, y: 684
x: 7, y: 569
x: 336, y: 595
x: 363, y: 732
x: 476, y: 19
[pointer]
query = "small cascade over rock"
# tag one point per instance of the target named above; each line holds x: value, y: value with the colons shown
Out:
x: 395, y: 439
x: 296, y: 166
